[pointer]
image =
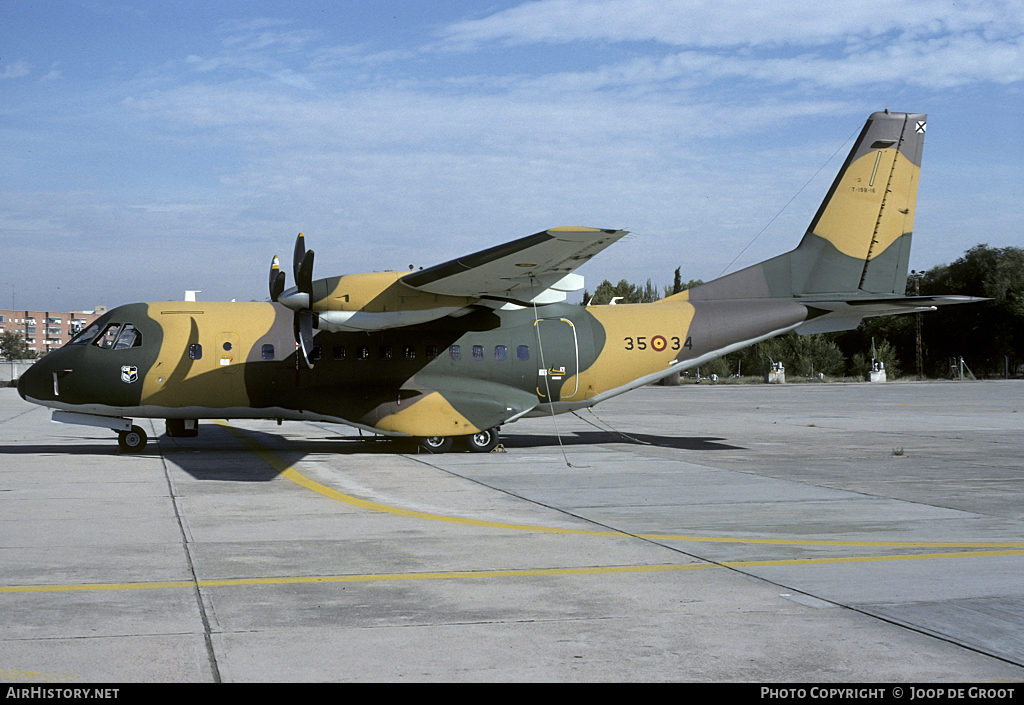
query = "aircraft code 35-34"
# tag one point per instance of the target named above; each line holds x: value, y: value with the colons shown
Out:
x: 62, y: 693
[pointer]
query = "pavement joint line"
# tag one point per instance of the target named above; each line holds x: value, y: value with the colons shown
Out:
x: 289, y: 472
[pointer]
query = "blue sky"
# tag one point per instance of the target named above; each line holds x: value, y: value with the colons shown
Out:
x: 150, y: 148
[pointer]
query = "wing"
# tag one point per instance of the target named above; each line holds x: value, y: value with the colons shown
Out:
x: 537, y: 268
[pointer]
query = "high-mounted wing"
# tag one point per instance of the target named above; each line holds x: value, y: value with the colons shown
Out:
x: 537, y: 268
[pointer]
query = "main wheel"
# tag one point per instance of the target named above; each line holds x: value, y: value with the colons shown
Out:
x: 133, y: 441
x: 435, y: 444
x: 482, y: 442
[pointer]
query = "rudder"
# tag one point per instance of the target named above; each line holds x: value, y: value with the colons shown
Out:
x: 858, y: 243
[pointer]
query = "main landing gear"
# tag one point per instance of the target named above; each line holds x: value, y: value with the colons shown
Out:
x: 481, y: 442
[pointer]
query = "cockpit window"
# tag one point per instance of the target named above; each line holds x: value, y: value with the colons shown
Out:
x: 117, y: 337
x: 86, y: 336
x: 106, y: 340
x: 130, y: 337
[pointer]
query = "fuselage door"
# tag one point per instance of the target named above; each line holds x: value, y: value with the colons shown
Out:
x: 558, y: 358
x: 228, y: 352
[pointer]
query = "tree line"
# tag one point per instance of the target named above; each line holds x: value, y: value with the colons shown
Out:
x: 989, y: 335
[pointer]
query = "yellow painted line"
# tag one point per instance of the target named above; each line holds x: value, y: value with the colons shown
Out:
x: 96, y: 586
x: 290, y: 473
x: 870, y: 559
x: 383, y: 577
x: 463, y: 575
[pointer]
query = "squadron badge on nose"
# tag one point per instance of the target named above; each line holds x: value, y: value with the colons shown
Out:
x: 129, y: 374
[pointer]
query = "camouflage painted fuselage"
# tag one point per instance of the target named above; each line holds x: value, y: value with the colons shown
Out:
x: 447, y: 378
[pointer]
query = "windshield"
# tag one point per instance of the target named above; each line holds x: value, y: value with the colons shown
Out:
x: 85, y: 337
x: 114, y: 336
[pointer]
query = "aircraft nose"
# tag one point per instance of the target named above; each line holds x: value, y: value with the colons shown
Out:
x: 32, y: 384
x: 21, y: 383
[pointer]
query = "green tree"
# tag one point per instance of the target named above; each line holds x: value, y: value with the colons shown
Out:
x: 802, y: 355
x: 986, y: 334
x: 628, y: 293
x: 14, y: 347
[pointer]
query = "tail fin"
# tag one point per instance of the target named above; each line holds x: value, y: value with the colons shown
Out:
x: 858, y: 244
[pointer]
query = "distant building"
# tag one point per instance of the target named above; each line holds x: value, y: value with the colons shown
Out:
x: 44, y: 331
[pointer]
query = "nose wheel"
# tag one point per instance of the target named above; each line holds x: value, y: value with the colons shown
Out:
x: 133, y: 441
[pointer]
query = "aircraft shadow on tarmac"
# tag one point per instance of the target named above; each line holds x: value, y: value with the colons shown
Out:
x: 203, y: 458
x: 94, y: 445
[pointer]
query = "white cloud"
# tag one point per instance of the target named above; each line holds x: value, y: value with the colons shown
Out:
x: 931, y: 43
x: 19, y: 69
x: 727, y: 23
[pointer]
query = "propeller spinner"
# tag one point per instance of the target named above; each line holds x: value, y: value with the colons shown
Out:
x: 298, y: 297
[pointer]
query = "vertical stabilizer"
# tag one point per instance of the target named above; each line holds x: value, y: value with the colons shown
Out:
x: 858, y: 243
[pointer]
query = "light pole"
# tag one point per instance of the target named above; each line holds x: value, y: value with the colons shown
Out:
x: 917, y: 292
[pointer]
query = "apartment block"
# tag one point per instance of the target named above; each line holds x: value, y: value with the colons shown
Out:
x: 44, y: 331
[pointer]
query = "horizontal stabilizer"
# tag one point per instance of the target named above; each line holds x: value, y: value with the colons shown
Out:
x: 830, y: 316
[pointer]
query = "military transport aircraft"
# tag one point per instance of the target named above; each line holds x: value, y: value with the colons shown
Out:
x: 457, y: 350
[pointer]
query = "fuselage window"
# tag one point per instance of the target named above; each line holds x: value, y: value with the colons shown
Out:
x: 478, y: 352
x: 385, y: 352
x: 339, y: 352
x: 130, y: 337
x: 432, y: 352
x: 523, y: 352
x: 315, y: 354
x: 268, y: 352
x: 106, y: 340
x: 455, y: 352
x: 500, y: 352
x: 409, y: 352
x: 363, y: 352
x: 195, y: 351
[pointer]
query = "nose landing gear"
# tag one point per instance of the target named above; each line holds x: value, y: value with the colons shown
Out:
x: 132, y: 441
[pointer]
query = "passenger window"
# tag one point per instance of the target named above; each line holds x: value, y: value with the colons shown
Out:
x: 385, y: 352
x: 432, y: 352
x: 523, y: 352
x: 195, y: 351
x: 130, y: 337
x: 363, y: 352
x: 409, y: 352
x: 315, y: 353
x: 339, y: 352
x: 500, y: 352
x: 455, y: 352
x: 268, y: 352
x: 478, y: 352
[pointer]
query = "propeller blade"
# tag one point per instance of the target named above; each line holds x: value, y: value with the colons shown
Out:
x: 277, y: 278
x: 297, y: 254
x: 303, y: 323
x: 304, y: 273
